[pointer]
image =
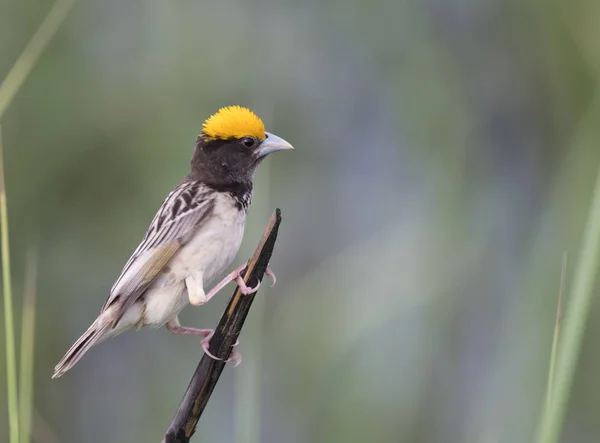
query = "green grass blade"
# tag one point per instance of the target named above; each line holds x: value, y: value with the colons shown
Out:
x: 574, y: 325
x: 8, y: 89
x: 11, y: 359
x: 26, y: 61
x: 561, y: 290
x: 27, y: 346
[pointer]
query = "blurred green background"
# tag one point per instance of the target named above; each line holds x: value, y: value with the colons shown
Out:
x: 445, y: 156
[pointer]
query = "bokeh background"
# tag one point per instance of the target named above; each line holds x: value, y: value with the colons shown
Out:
x: 445, y: 156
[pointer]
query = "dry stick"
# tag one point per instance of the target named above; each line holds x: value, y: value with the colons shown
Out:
x: 208, y: 371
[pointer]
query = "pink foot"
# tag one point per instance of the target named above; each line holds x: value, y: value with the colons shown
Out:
x: 182, y: 330
x: 206, y: 335
x: 235, y: 356
x: 246, y: 290
x: 236, y: 275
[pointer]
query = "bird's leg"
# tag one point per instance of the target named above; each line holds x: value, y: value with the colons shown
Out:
x: 236, y: 275
x: 175, y: 327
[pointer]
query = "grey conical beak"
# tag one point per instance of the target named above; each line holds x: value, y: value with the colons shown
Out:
x: 273, y: 144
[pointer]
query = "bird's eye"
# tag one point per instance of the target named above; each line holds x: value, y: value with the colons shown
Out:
x: 248, y: 142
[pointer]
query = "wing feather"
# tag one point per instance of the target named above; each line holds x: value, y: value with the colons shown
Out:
x: 181, y: 214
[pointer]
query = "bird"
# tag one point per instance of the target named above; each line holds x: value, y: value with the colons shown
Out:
x: 192, y: 239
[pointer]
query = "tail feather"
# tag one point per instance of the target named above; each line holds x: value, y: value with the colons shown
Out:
x: 95, y: 334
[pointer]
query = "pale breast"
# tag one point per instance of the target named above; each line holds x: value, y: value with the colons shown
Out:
x: 210, y: 251
x: 214, y: 246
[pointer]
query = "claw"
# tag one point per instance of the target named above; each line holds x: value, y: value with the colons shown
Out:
x: 244, y: 289
x: 207, y: 334
x: 235, y: 275
x: 271, y: 274
x: 235, y: 356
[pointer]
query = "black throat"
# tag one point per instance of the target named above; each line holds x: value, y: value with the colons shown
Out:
x: 240, y: 192
x: 224, y: 167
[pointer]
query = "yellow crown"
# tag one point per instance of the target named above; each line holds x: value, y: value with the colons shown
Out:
x: 233, y: 122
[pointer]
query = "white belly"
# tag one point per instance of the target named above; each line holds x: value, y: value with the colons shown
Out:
x: 207, y: 254
x: 212, y: 249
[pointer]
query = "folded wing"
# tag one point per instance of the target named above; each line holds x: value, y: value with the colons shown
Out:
x: 184, y: 211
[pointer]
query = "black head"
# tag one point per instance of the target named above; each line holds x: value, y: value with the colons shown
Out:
x: 232, y: 144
